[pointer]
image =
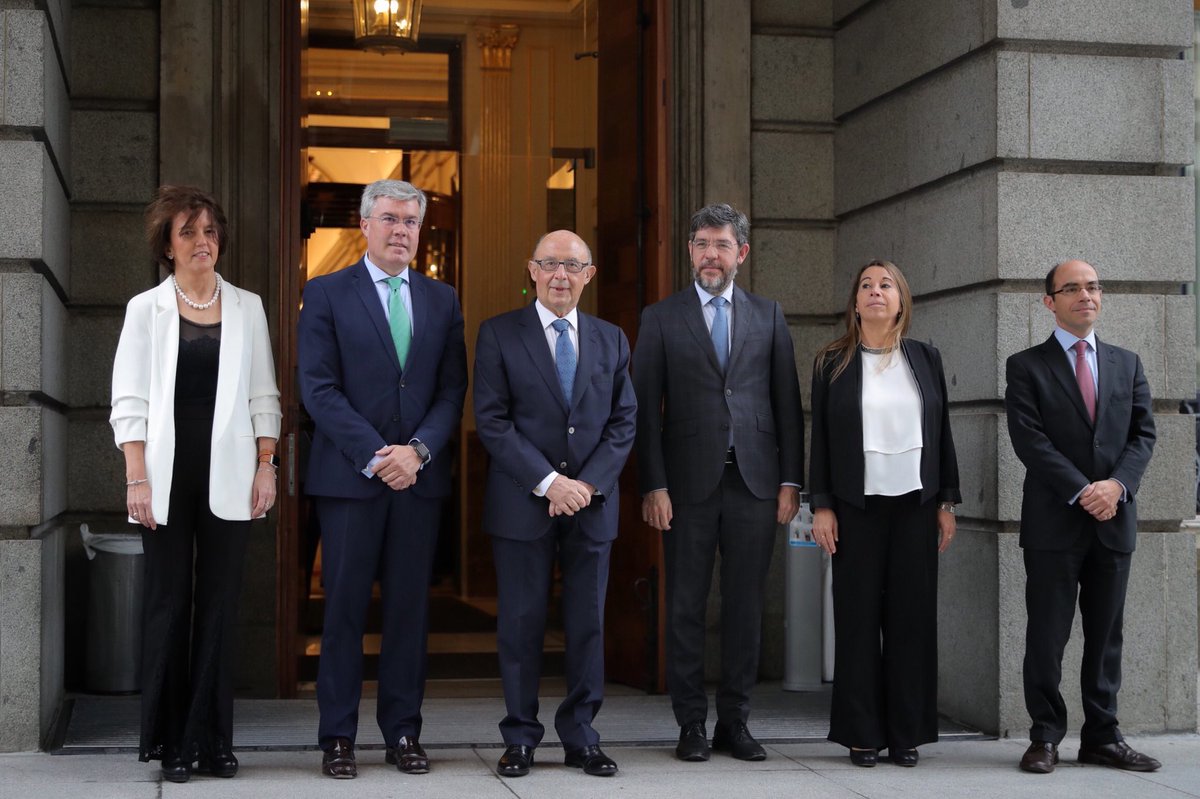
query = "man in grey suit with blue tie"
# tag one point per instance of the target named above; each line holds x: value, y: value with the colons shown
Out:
x: 555, y: 409
x: 720, y: 446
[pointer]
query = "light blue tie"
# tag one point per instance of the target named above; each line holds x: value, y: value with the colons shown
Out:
x: 720, y: 331
x: 398, y: 319
x: 564, y: 358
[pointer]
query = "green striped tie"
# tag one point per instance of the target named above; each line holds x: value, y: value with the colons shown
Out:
x: 398, y: 319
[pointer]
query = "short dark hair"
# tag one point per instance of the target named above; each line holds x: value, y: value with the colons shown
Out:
x: 718, y: 215
x: 168, y: 203
x: 1054, y: 269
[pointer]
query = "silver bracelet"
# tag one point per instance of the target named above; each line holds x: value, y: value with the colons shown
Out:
x: 137, y: 482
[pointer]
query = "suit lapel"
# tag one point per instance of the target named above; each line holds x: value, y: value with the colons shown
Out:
x: 533, y: 336
x: 742, y: 322
x: 166, y: 326
x: 693, y: 317
x: 417, y: 293
x: 1056, y: 362
x: 585, y: 358
x: 229, y: 365
x: 365, y: 289
x: 1106, y: 363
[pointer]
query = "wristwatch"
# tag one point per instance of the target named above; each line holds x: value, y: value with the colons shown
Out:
x: 270, y: 458
x: 422, y: 450
x: 946, y: 506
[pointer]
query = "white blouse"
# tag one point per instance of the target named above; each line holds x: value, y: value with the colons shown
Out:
x: 891, y: 415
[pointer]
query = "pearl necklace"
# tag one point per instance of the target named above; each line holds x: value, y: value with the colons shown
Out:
x: 197, y: 305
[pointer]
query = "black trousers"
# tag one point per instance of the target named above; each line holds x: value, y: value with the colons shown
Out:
x: 1099, y: 576
x: 524, y: 577
x: 742, y: 528
x: 188, y: 628
x: 885, y: 624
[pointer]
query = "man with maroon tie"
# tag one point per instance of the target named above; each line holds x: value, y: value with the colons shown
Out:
x: 1080, y: 421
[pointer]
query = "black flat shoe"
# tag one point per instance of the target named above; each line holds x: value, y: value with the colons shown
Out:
x: 218, y: 761
x: 175, y: 768
x: 408, y: 756
x: 904, y: 757
x: 693, y: 743
x: 736, y: 740
x: 864, y: 757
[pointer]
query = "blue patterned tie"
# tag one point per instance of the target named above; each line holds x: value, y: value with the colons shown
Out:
x: 720, y: 331
x: 564, y: 357
x: 398, y: 319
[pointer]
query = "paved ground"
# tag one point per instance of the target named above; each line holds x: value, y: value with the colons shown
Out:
x: 969, y: 768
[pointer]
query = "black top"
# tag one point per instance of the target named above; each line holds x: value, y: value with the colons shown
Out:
x: 196, y: 369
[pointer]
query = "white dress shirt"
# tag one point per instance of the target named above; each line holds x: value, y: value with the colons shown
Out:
x: 548, y: 318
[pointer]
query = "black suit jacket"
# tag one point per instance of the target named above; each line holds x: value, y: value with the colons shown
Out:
x: 836, y: 463
x: 686, y: 405
x: 1063, y: 450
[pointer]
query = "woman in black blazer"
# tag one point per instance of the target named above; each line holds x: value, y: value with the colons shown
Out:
x: 883, y: 479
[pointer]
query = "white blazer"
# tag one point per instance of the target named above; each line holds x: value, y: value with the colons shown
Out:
x: 247, y: 401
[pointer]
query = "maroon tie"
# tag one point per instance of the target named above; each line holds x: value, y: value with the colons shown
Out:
x: 1083, y: 376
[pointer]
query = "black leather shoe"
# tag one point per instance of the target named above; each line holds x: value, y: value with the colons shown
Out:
x: 408, y: 756
x: 515, y: 761
x: 737, y: 740
x: 338, y: 760
x: 175, y: 768
x: 1041, y: 757
x: 1118, y: 755
x: 866, y: 758
x: 592, y: 760
x: 693, y: 742
x: 220, y: 763
x: 904, y: 757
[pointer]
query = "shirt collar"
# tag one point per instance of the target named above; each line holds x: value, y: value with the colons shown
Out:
x: 705, y: 296
x: 547, y: 316
x: 1067, y: 339
x: 378, y: 274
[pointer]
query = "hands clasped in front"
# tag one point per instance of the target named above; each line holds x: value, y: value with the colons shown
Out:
x: 568, y: 497
x: 398, y: 466
x: 1100, y: 499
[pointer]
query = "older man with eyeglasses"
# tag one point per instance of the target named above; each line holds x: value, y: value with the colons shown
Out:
x: 555, y: 408
x: 1080, y: 420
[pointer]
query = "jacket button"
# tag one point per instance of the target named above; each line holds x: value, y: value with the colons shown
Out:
x: 729, y: 392
x: 562, y: 465
x: 395, y: 417
x: 401, y: 384
x: 571, y: 430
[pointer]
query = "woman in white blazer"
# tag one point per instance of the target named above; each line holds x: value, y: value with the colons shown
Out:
x: 195, y: 409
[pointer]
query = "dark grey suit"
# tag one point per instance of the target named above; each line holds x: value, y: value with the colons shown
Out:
x: 1066, y: 549
x: 689, y: 411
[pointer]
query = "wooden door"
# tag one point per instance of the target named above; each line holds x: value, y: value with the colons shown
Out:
x: 634, y: 270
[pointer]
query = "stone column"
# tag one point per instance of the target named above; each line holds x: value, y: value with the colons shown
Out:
x: 35, y: 171
x: 979, y: 143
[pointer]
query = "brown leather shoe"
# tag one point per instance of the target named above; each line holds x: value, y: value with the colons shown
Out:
x: 408, y: 756
x: 338, y: 760
x: 1118, y: 755
x: 1040, y: 758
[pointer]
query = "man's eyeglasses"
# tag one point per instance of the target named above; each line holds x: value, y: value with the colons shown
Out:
x: 389, y: 221
x: 1071, y: 289
x: 572, y: 266
x: 724, y: 246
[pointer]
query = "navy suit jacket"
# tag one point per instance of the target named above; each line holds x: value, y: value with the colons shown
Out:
x: 357, y: 394
x: 1063, y: 450
x: 524, y: 422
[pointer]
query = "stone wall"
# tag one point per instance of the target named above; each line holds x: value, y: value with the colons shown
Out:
x: 979, y: 143
x: 35, y: 171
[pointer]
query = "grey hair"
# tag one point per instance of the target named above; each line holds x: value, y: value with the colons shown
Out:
x: 718, y: 215
x: 399, y: 190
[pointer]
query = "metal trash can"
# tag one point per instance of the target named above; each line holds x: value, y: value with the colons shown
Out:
x: 114, y: 623
x: 803, y: 596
